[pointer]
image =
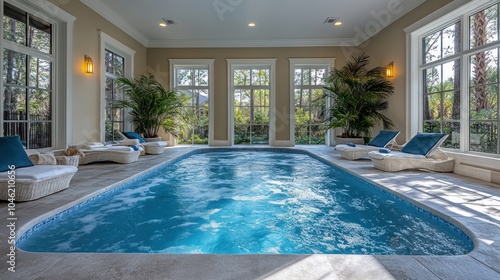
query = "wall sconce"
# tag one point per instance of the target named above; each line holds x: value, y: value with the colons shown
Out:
x: 89, y: 65
x: 389, y: 70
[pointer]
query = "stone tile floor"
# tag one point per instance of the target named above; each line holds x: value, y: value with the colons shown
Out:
x: 471, y: 204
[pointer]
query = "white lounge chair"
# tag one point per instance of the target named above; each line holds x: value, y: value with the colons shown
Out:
x: 421, y: 152
x: 96, y: 152
x: 151, y: 148
x: 22, y: 181
x: 382, y: 140
x: 37, y: 181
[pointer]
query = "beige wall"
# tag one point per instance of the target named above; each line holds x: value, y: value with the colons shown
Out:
x: 86, y: 92
x: 390, y: 45
x: 157, y: 62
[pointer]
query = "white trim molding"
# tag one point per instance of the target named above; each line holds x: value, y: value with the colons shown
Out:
x: 331, y: 42
x: 109, y: 14
x: 174, y: 63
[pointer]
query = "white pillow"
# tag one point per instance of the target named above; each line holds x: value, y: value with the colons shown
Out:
x: 129, y: 142
x: 91, y: 145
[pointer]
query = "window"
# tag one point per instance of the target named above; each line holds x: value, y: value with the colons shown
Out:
x: 459, y: 83
x: 193, y: 78
x: 251, y: 85
x: 192, y: 84
x: 115, y: 118
x: 484, y: 82
x: 27, y: 78
x: 309, y: 108
x: 310, y: 105
x: 441, y: 98
x: 117, y: 61
x: 251, y: 105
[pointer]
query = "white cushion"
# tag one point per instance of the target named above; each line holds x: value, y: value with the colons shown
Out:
x: 378, y: 155
x: 109, y: 148
x: 156, y: 144
x: 343, y: 147
x: 91, y: 145
x: 40, y: 172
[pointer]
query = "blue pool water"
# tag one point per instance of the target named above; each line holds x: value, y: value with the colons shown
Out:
x: 248, y: 202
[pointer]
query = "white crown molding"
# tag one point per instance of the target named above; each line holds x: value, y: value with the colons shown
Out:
x: 409, y: 5
x: 107, y: 13
x: 403, y: 7
x: 347, y: 42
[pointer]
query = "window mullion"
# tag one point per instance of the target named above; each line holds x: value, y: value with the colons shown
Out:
x: 464, y: 77
x: 25, y: 50
x: 27, y: 100
x: 465, y: 85
x: 27, y: 26
x: 251, y: 110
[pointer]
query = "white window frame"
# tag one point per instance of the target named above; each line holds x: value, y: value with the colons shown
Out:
x: 469, y: 163
x: 108, y: 42
x: 62, y: 99
x: 445, y: 16
x: 329, y: 63
x: 204, y: 63
x: 254, y: 63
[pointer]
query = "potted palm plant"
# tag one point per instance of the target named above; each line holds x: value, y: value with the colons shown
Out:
x: 151, y: 106
x: 358, y: 96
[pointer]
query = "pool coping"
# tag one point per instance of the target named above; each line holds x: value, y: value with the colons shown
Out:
x: 481, y: 227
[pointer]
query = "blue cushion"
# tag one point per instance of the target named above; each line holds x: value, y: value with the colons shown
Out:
x: 383, y: 138
x: 13, y: 153
x: 350, y: 144
x: 423, y: 143
x: 384, y: 151
x: 133, y: 135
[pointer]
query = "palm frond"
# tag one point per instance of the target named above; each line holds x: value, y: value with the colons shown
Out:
x: 358, y: 96
x: 150, y: 104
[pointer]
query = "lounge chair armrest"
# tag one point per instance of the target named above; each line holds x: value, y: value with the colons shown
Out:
x: 439, y: 154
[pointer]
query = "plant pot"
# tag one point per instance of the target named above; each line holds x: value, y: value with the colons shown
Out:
x: 155, y: 139
x: 340, y: 140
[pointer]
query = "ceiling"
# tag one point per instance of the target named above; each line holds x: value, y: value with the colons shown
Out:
x: 224, y: 23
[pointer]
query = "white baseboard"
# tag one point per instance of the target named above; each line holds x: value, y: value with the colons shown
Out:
x: 476, y: 166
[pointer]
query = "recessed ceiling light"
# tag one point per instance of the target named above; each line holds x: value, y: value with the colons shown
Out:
x: 251, y: 24
x: 337, y: 23
x: 162, y: 24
